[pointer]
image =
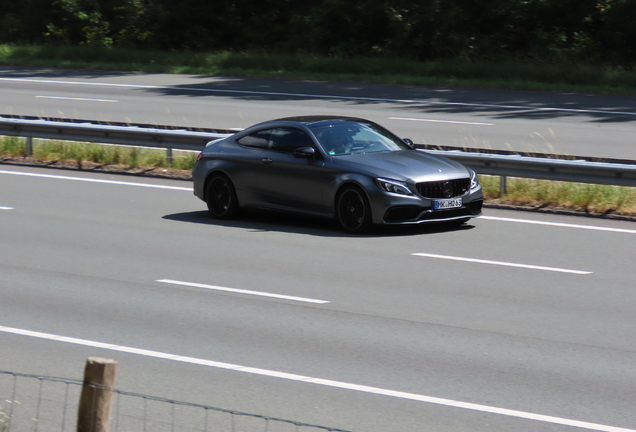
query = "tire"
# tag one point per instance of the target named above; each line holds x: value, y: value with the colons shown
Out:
x: 220, y: 197
x: 353, y: 212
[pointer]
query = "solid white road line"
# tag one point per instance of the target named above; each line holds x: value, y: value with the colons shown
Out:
x: 507, y: 264
x: 319, y: 381
x: 241, y: 291
x: 85, y: 83
x: 558, y: 224
x: 440, y: 121
x: 77, y: 99
x: 92, y: 180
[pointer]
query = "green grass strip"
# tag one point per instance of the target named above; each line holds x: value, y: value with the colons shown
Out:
x: 565, y: 77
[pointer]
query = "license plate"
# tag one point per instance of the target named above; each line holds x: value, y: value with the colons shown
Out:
x: 447, y: 203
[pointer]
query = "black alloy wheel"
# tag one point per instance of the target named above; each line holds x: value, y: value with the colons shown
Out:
x: 221, y: 197
x: 353, y: 211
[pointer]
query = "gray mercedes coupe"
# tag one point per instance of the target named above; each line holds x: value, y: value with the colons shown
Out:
x: 349, y: 169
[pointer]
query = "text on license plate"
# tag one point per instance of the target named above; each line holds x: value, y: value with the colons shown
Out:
x: 447, y: 203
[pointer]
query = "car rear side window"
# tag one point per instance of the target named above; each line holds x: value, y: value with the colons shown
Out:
x: 258, y: 139
x: 289, y: 139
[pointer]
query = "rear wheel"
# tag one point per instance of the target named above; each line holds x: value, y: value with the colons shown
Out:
x: 220, y: 196
x: 353, y: 211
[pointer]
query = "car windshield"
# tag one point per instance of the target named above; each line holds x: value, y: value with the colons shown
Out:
x: 347, y: 137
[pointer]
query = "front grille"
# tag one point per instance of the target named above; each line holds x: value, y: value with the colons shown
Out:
x: 444, y: 188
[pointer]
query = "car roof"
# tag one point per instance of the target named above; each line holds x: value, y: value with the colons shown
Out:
x: 308, y: 121
x: 312, y: 119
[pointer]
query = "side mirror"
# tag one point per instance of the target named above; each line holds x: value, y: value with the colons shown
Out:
x: 409, y: 142
x: 304, y: 152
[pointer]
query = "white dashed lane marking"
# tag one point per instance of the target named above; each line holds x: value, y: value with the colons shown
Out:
x: 241, y: 291
x: 501, y: 263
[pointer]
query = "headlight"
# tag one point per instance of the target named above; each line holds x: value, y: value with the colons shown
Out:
x: 393, y: 186
x: 473, y: 180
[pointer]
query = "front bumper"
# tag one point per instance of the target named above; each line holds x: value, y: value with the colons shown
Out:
x: 393, y: 209
x: 416, y: 214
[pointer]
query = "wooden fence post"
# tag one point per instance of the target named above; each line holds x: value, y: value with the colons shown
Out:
x: 96, y: 401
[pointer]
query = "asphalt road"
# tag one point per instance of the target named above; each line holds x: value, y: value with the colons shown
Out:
x: 517, y: 321
x: 557, y: 123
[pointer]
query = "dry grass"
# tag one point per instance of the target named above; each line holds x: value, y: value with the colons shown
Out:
x: 589, y: 198
x: 130, y: 157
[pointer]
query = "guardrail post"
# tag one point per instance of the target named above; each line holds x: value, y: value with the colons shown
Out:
x: 96, y: 400
x: 503, y: 186
x: 29, y: 146
x: 169, y: 156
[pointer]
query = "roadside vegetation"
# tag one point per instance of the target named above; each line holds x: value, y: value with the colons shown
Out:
x: 543, y: 32
x: 591, y: 199
x: 95, y: 156
x: 528, y: 193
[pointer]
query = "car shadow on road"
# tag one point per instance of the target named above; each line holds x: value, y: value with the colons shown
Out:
x: 269, y: 221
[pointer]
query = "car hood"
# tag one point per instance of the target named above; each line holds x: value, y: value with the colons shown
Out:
x: 404, y: 165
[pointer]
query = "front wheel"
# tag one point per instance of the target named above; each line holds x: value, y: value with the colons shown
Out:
x: 353, y: 211
x: 220, y: 196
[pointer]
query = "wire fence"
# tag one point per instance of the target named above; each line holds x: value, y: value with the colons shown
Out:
x: 32, y: 403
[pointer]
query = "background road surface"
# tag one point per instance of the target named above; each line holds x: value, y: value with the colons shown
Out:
x: 557, y: 123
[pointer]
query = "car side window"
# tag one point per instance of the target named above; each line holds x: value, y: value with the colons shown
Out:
x: 289, y: 139
x: 258, y: 139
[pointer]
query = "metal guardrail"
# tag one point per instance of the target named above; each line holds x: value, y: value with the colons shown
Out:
x: 545, y: 168
x: 504, y: 164
x: 110, y: 133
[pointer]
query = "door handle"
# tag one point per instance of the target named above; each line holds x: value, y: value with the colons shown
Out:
x: 267, y: 160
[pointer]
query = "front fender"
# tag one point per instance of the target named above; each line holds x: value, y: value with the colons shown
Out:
x: 363, y: 182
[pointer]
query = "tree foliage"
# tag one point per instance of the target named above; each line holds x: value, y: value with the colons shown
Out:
x: 594, y: 31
